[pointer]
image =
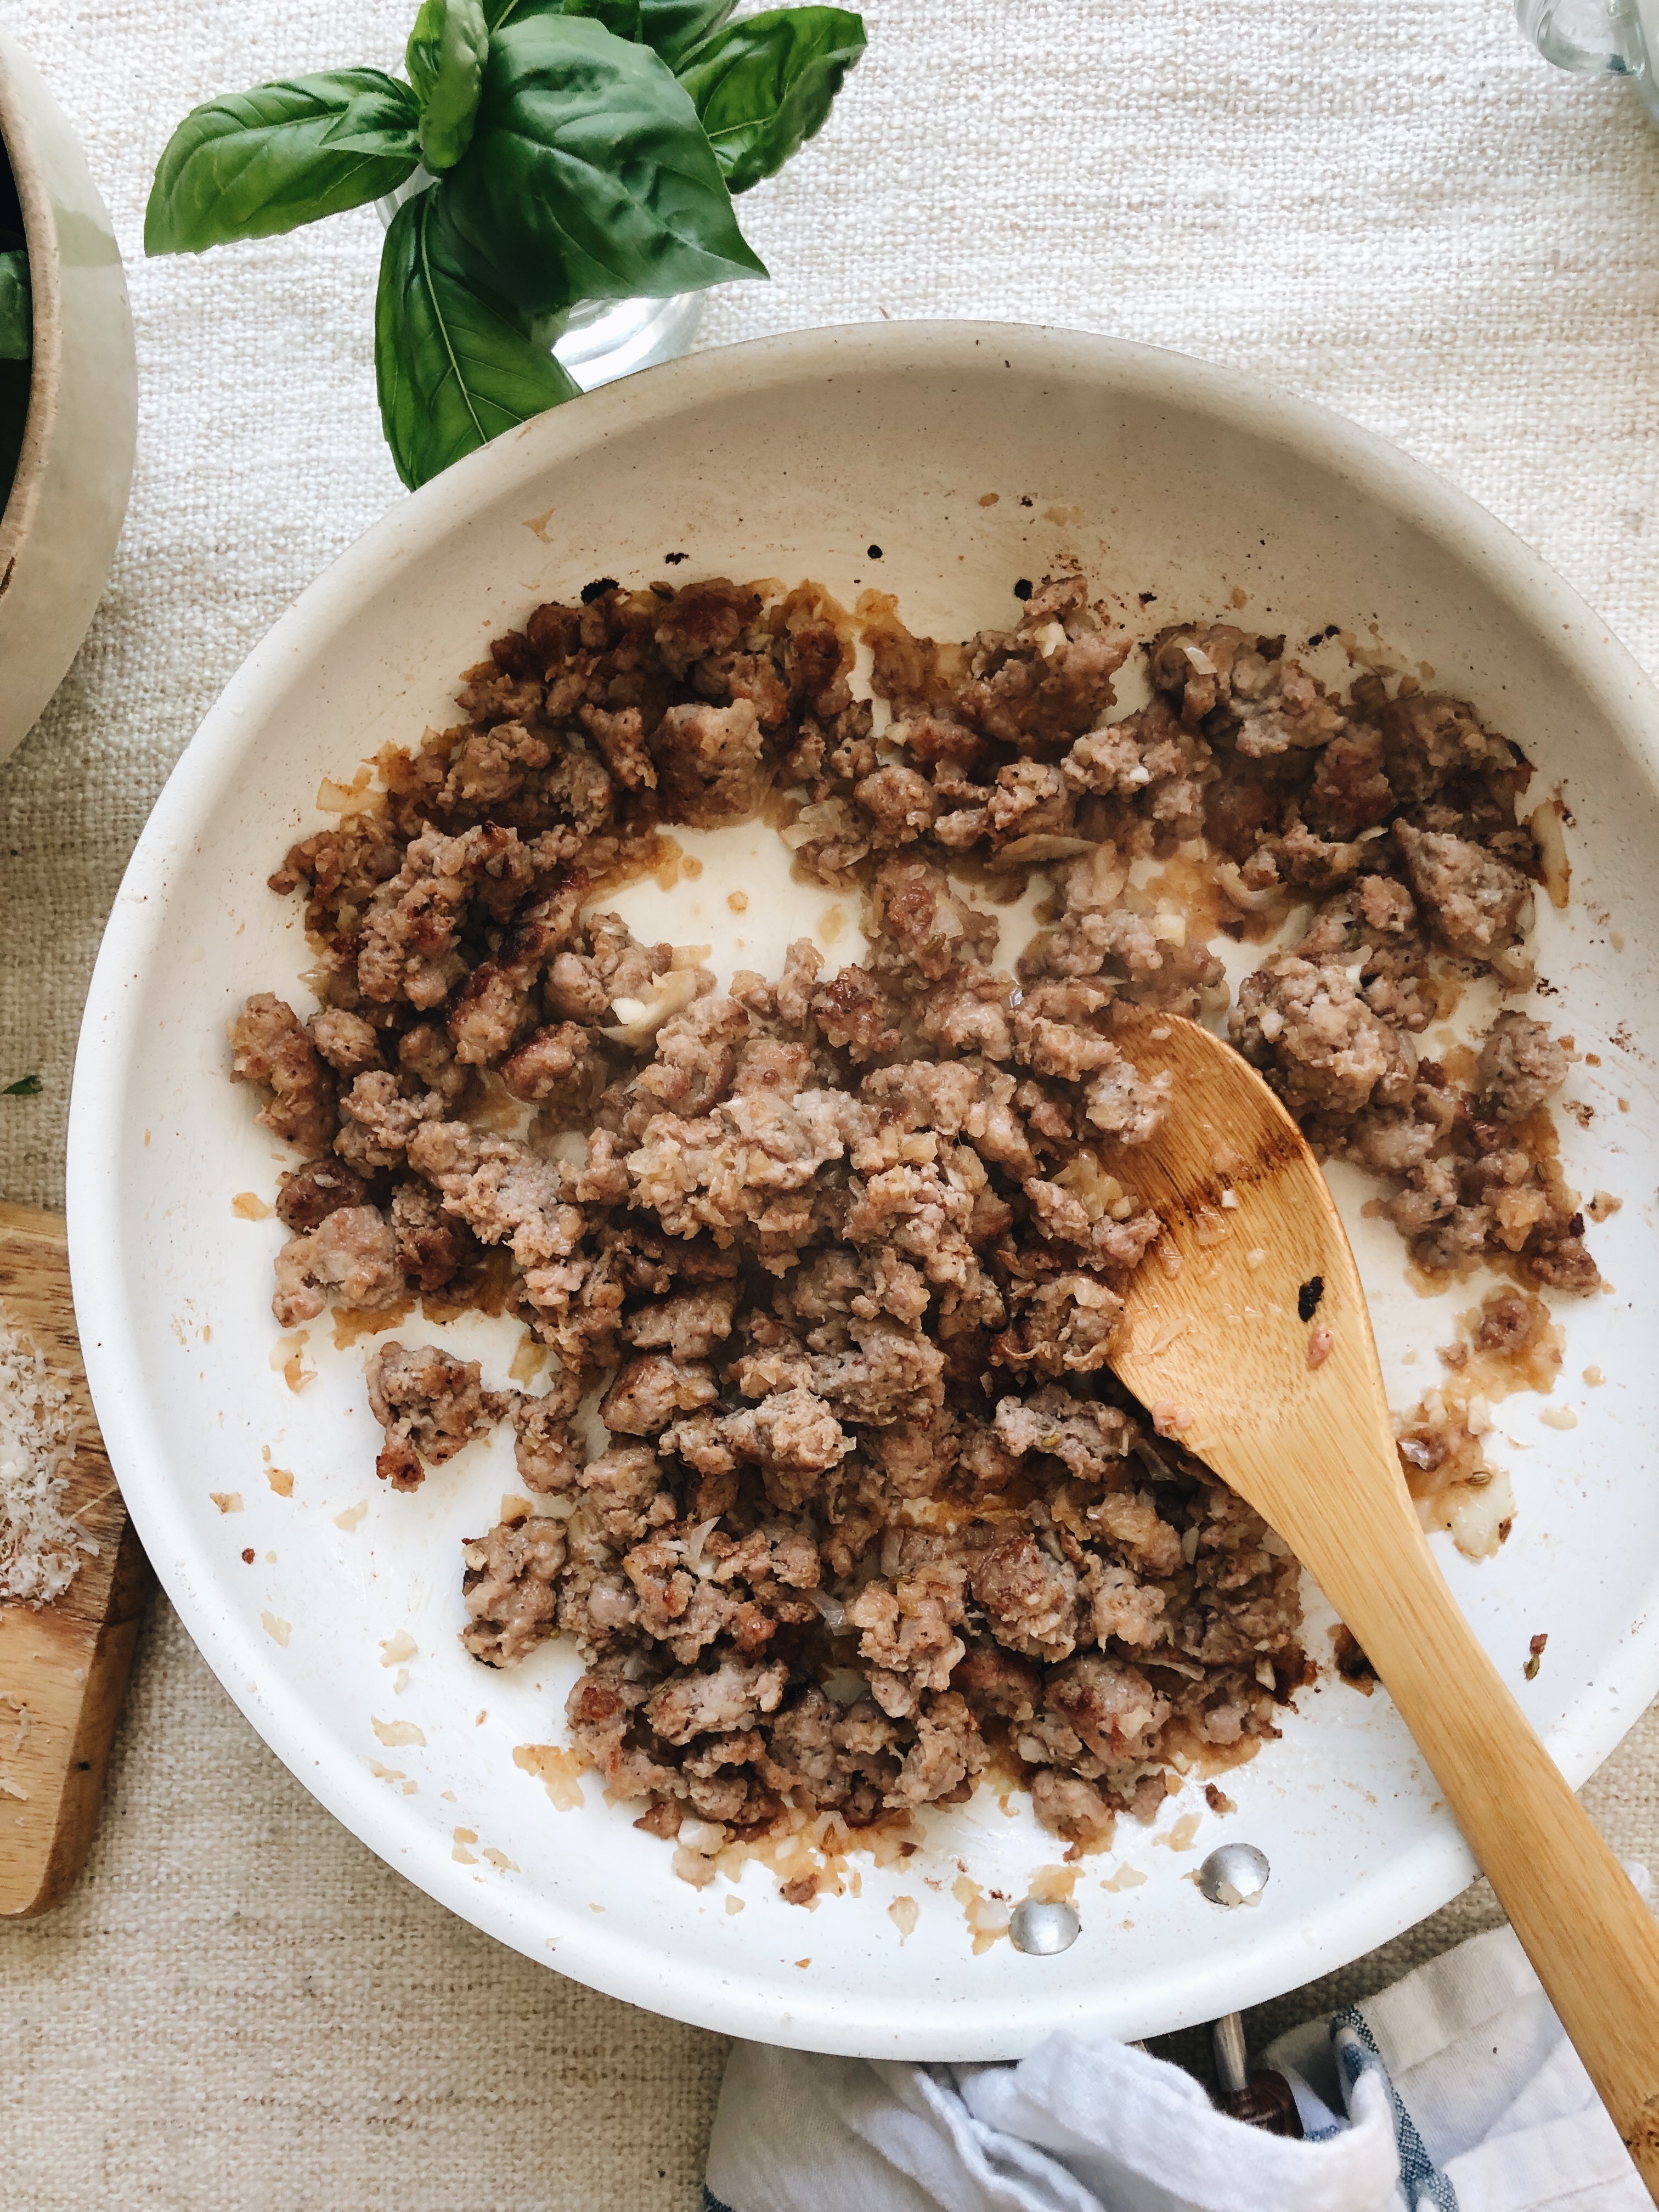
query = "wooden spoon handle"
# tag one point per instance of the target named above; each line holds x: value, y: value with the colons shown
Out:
x: 1591, y: 1939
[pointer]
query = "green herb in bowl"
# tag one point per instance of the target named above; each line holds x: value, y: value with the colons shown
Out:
x: 570, y: 150
x: 16, y: 329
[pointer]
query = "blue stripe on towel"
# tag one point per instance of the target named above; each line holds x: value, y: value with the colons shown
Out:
x: 1420, y: 2179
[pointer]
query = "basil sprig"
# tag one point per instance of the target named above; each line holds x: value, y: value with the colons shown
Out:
x: 445, y: 58
x: 257, y: 163
x: 763, y: 87
x: 454, y: 366
x: 581, y: 149
x: 589, y: 176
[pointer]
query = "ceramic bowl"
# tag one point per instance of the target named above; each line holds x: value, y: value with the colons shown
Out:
x: 57, y: 533
x: 971, y: 456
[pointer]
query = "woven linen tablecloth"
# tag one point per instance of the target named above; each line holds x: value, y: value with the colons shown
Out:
x: 1395, y: 209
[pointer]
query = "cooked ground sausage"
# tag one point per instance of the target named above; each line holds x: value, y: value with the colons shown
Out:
x: 841, y: 1261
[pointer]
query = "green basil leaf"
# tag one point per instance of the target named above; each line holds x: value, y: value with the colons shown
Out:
x: 454, y: 366
x: 445, y: 58
x: 620, y: 17
x: 589, y: 177
x: 255, y: 163
x: 669, y: 28
x: 763, y: 86
x: 673, y: 27
x: 26, y: 1086
x: 16, y: 306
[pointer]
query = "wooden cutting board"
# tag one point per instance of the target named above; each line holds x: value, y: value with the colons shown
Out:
x: 65, y: 1667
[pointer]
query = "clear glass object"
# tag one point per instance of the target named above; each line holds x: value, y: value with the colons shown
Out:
x: 1615, y: 38
x: 604, y: 339
x: 601, y: 339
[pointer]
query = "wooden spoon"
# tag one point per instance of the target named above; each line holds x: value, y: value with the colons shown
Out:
x: 1228, y: 1357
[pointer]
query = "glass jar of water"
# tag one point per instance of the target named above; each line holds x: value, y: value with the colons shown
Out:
x: 1617, y: 38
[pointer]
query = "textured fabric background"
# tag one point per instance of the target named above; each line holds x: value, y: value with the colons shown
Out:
x: 1394, y: 210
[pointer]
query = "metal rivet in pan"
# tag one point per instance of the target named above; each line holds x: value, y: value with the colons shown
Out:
x: 1234, y: 1873
x: 1043, y: 1926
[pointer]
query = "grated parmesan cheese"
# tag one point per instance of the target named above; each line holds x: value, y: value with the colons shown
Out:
x: 39, y: 1547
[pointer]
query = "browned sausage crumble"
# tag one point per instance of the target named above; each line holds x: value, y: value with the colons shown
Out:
x: 842, y: 1250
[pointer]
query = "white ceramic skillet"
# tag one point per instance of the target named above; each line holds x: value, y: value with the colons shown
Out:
x: 971, y: 456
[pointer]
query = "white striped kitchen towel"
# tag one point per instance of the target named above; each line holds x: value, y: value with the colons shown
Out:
x: 1454, y: 2090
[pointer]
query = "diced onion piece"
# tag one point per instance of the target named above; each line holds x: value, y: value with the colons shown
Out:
x: 1476, y: 1520
x: 828, y: 818
x: 904, y: 1912
x: 1516, y: 1211
x: 347, y: 799
x: 1095, y: 1191
x: 1545, y: 822
x: 832, y: 1611
x: 1251, y: 901
x: 694, y: 1543
x: 643, y: 1018
x: 1041, y: 847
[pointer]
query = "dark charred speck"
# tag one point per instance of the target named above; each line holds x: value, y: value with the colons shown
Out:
x: 1307, y: 1298
x: 874, y: 551
x: 598, y: 589
x: 671, y: 560
x: 1025, y: 499
x: 1022, y: 588
x: 1146, y: 598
